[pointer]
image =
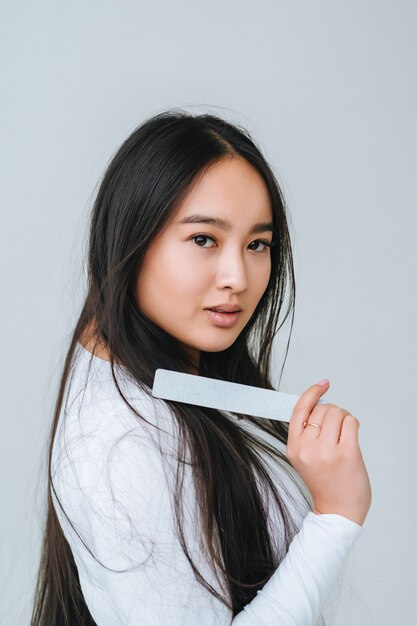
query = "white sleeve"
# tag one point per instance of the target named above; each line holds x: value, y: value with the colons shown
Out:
x: 297, y: 591
x: 118, y: 499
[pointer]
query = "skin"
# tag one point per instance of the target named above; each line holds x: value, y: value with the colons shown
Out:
x: 329, y: 459
x: 181, y: 276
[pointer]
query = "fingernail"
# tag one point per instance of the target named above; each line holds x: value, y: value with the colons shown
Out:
x: 323, y: 382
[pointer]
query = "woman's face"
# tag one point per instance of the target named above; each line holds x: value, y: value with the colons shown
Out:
x: 194, y: 265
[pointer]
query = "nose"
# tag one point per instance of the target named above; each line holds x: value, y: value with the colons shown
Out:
x: 231, y: 271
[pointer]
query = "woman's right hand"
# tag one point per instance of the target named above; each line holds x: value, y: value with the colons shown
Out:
x: 328, y: 459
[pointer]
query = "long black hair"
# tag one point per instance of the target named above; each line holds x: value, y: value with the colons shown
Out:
x: 144, y: 183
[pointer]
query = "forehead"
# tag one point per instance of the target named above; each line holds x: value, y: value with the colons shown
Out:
x: 233, y: 189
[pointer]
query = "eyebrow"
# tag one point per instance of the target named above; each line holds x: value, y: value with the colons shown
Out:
x: 223, y: 224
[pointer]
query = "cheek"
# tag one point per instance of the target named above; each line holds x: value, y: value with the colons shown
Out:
x: 182, y: 277
x: 169, y: 277
x: 260, y: 277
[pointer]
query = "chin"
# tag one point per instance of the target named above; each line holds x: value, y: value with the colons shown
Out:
x: 217, y: 347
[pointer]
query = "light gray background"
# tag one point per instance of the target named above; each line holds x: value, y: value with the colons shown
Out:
x: 328, y: 89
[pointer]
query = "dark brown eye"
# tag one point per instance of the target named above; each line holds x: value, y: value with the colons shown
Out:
x: 263, y: 242
x: 201, y: 237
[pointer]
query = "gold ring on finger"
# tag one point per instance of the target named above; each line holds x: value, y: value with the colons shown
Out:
x: 305, y: 424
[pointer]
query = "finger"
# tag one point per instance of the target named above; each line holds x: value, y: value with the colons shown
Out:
x: 304, y: 407
x: 349, y: 431
x: 332, y: 427
x: 313, y: 425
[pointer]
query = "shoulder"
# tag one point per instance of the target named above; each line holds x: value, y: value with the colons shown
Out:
x: 107, y: 462
x: 96, y: 424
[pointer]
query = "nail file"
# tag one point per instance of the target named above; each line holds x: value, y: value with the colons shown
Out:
x: 224, y: 395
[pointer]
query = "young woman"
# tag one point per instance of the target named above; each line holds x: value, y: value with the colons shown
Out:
x: 163, y: 512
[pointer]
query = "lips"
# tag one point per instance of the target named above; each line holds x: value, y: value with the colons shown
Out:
x: 225, y: 308
x: 222, y: 311
x: 223, y: 319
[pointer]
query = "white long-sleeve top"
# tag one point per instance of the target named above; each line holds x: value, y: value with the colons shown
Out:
x: 116, y: 489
